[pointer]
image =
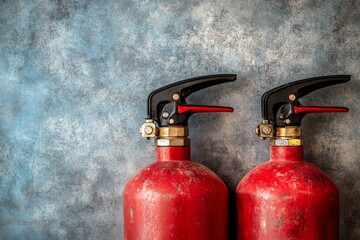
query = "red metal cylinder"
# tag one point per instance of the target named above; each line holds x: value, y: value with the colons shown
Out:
x: 287, y: 198
x: 175, y: 198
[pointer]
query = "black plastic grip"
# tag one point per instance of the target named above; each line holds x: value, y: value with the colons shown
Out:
x: 277, y: 107
x: 162, y: 100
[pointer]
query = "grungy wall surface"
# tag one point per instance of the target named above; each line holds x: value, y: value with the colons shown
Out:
x: 75, y: 76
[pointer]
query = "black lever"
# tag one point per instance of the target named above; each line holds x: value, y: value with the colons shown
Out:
x: 167, y: 105
x: 281, y: 106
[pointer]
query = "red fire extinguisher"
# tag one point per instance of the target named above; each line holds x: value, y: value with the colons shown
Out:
x: 175, y: 198
x: 288, y: 198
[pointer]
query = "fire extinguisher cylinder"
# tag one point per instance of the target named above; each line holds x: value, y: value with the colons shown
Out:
x: 174, y: 197
x: 286, y: 197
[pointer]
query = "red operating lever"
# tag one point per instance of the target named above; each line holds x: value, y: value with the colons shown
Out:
x: 196, y: 109
x: 301, y: 109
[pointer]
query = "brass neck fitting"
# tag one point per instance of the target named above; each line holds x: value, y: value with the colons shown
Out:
x: 173, y: 136
x: 176, y: 135
x: 287, y: 136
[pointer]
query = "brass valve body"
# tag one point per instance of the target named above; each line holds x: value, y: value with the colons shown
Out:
x: 287, y: 136
x: 173, y: 136
x: 289, y: 131
x: 166, y: 136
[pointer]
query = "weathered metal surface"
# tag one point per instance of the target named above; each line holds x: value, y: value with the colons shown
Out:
x: 175, y: 198
x: 287, y: 198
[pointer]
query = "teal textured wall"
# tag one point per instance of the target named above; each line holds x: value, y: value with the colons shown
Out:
x: 75, y: 76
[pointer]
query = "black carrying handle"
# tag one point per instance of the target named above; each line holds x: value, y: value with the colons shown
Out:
x: 163, y: 107
x: 281, y: 105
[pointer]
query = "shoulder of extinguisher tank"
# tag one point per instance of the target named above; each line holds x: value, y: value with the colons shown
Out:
x: 282, y: 111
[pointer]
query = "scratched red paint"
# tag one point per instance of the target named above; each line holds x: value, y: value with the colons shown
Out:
x: 287, y: 198
x: 175, y: 198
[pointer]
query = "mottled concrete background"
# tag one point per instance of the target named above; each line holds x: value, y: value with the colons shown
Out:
x: 74, y: 82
